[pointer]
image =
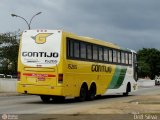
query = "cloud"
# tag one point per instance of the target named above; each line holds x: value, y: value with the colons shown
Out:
x: 132, y: 24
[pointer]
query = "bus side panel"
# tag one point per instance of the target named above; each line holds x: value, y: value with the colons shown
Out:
x: 77, y: 72
x: 76, y: 76
x: 127, y: 78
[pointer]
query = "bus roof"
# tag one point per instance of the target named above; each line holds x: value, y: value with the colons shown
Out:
x: 86, y: 39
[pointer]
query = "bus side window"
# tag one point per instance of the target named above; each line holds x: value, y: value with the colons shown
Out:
x: 135, y: 58
x: 83, y: 50
x: 76, y: 49
x: 130, y: 58
x: 95, y: 52
x: 126, y: 57
x: 122, y: 57
x: 89, y: 52
x: 69, y: 48
x: 100, y: 51
x: 106, y: 55
x: 118, y: 57
x: 110, y: 56
x: 114, y: 56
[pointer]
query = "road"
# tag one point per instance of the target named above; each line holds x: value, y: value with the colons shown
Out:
x: 30, y: 104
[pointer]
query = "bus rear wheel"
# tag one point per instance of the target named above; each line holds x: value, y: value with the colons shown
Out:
x: 92, y: 92
x: 58, y: 99
x: 83, y: 93
x: 45, y: 98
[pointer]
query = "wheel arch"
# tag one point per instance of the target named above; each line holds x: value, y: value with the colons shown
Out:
x: 84, y: 84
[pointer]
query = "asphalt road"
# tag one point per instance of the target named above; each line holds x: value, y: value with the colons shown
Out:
x: 30, y: 104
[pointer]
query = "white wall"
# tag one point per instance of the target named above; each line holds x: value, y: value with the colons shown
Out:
x: 7, y: 85
x: 146, y: 83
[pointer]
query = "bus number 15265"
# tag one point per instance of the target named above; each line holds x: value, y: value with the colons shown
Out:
x: 71, y: 66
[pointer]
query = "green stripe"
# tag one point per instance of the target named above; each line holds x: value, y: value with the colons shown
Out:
x: 118, y: 77
x: 115, y: 78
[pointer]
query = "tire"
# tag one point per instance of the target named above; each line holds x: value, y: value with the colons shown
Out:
x: 128, y: 89
x: 91, y: 93
x: 83, y: 93
x: 45, y: 98
x: 58, y: 99
x: 126, y: 93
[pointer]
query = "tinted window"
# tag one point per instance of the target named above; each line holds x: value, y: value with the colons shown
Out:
x: 76, y: 49
x: 114, y: 56
x: 123, y: 57
x: 70, y: 48
x: 130, y: 58
x: 95, y: 52
x: 83, y: 50
x: 100, y: 52
x: 106, y: 54
x: 89, y: 52
x: 126, y: 57
x: 118, y: 57
x: 110, y: 56
x: 135, y: 57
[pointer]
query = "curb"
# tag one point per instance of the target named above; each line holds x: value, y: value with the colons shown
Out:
x: 3, y: 94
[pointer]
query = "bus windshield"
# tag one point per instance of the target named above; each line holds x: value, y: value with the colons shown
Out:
x: 40, y: 48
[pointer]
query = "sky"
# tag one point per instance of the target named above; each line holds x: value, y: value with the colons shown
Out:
x: 133, y: 24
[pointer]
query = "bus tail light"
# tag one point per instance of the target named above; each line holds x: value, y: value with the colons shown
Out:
x: 19, y: 76
x: 60, y: 78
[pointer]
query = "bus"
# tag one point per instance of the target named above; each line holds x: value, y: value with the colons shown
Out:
x: 55, y: 64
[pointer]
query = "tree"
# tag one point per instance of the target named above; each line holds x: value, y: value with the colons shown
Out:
x: 9, y: 45
x: 149, y: 62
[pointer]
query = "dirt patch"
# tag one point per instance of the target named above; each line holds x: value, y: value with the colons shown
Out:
x: 139, y: 104
x: 147, y: 100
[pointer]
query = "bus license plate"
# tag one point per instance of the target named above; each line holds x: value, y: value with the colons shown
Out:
x: 42, y: 78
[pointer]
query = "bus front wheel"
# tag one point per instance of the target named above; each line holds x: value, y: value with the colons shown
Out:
x: 128, y: 89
